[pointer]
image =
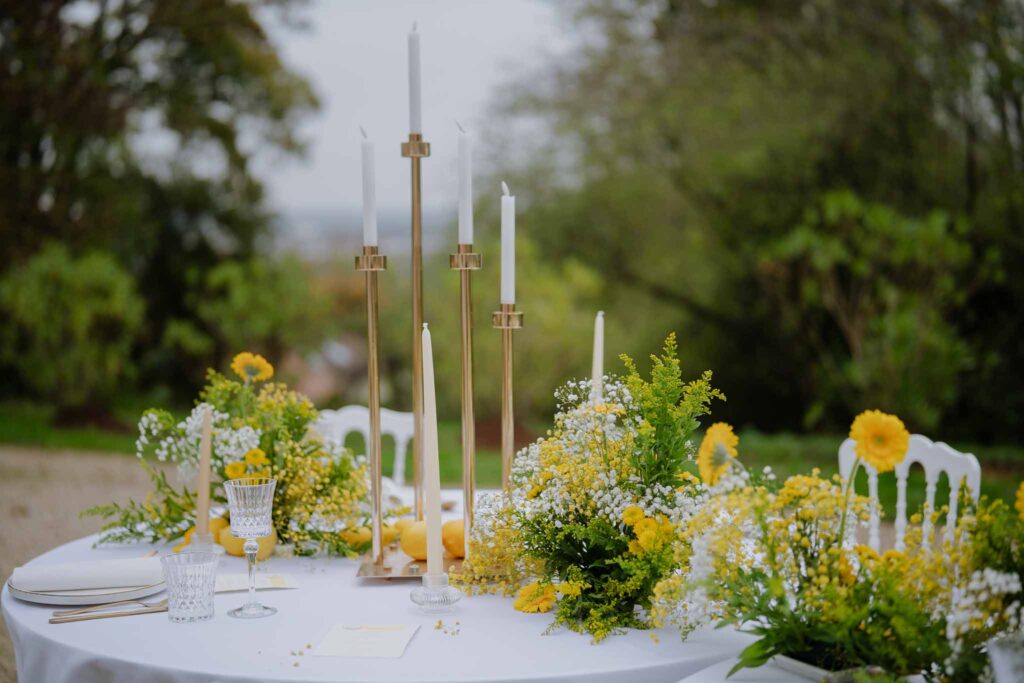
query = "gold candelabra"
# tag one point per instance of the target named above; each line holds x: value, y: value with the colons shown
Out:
x: 415, y: 149
x: 371, y: 263
x: 465, y: 261
x: 507, y: 319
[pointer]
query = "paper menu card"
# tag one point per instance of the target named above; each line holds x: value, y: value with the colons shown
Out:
x: 366, y: 640
x: 229, y: 583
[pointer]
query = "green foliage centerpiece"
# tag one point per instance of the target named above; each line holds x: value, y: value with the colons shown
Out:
x: 590, y: 513
x: 260, y: 428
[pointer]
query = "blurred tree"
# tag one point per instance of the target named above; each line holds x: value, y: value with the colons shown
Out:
x: 886, y: 284
x: 263, y: 305
x: 71, y: 326
x: 689, y: 138
x: 132, y: 125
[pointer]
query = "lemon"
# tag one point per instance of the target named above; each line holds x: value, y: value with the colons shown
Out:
x: 452, y: 536
x: 389, y: 533
x: 234, y: 546
x: 216, y: 524
x: 404, y: 523
x: 414, y: 540
x: 357, y: 536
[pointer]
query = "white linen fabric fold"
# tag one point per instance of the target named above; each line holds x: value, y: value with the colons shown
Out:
x: 67, y: 576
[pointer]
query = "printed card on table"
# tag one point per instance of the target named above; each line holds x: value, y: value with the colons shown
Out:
x: 366, y: 640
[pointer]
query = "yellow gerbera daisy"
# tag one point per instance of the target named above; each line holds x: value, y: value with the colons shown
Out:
x: 534, y: 597
x: 716, y: 451
x: 252, y: 367
x: 256, y: 457
x: 632, y: 515
x: 1020, y: 500
x: 881, y: 438
x: 234, y: 470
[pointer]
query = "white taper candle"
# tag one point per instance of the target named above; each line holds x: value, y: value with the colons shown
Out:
x: 415, y: 121
x: 508, y: 246
x: 597, y: 365
x: 369, y: 193
x: 203, y: 483
x: 465, y: 187
x: 431, y: 467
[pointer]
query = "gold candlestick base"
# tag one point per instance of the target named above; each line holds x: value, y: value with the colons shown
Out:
x: 465, y: 261
x: 507, y: 320
x: 415, y: 150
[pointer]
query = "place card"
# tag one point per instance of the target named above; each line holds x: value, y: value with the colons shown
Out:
x: 230, y: 583
x: 366, y: 640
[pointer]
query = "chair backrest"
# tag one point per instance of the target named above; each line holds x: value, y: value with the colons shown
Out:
x: 336, y: 425
x: 935, y: 458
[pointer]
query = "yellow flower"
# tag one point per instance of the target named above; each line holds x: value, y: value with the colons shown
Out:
x: 688, y: 478
x: 571, y: 588
x: 256, y: 457
x: 534, y: 597
x: 632, y: 515
x: 252, y: 367
x: 882, y: 439
x: 644, y: 525
x: 716, y: 450
x: 234, y: 470
x: 1020, y: 500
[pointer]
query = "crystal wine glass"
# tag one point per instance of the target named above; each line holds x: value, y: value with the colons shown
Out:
x: 251, y: 501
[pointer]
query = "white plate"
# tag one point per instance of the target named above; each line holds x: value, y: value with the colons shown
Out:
x: 91, y: 596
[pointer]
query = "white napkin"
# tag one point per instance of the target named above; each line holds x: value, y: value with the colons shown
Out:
x: 68, y: 576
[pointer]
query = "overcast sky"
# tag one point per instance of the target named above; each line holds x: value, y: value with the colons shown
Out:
x: 355, y: 56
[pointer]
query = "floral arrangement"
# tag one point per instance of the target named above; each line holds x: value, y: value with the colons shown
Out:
x: 260, y: 428
x: 781, y: 561
x: 587, y: 525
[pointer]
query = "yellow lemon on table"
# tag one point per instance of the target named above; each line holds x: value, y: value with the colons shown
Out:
x: 389, y: 533
x: 234, y: 546
x: 453, y: 535
x: 357, y: 536
x: 414, y: 540
x: 217, y: 524
x: 404, y: 523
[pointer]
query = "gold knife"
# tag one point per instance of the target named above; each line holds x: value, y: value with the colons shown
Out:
x: 108, y: 615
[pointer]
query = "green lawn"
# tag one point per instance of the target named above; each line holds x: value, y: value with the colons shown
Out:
x: 1002, y: 466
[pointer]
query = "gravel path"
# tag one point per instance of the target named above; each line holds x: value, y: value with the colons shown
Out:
x: 41, y: 494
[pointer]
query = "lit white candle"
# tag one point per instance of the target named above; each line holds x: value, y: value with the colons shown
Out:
x: 508, y: 246
x: 431, y: 468
x: 465, y: 187
x: 369, y: 193
x: 415, y: 122
x: 597, y: 365
x: 203, y: 483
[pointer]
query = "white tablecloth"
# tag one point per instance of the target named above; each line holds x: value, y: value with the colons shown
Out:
x: 717, y: 673
x: 494, y: 643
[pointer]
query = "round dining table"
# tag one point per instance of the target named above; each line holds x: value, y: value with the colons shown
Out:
x: 482, y: 639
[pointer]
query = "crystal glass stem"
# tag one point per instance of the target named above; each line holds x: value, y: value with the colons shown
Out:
x: 251, y: 547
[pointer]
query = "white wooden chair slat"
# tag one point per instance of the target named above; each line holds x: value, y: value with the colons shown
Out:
x: 936, y: 458
x: 336, y: 425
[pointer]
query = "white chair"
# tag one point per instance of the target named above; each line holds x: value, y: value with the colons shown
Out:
x: 935, y: 458
x: 336, y: 425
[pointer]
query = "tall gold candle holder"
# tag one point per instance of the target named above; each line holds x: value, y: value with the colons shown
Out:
x: 465, y: 261
x: 371, y: 263
x: 507, y: 319
x: 415, y: 149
